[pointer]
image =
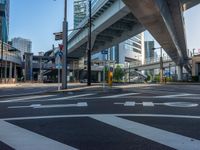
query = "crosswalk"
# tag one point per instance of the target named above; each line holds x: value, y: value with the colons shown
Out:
x: 24, y: 139
x: 54, y: 97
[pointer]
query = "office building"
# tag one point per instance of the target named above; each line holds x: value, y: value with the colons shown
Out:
x: 80, y: 11
x: 128, y: 52
x: 149, y: 52
x: 24, y: 45
x: 4, y: 19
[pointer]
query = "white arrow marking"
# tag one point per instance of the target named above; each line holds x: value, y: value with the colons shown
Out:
x: 151, y: 104
x: 37, y: 106
x: 148, y: 104
x: 129, y: 104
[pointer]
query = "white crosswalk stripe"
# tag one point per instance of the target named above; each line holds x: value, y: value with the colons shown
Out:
x: 26, y: 98
x: 176, y: 95
x: 170, y: 139
x: 22, y: 139
x: 120, y: 95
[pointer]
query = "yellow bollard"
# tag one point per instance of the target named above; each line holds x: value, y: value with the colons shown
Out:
x: 110, y: 78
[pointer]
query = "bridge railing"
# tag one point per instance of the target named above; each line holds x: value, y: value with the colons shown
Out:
x: 151, y: 60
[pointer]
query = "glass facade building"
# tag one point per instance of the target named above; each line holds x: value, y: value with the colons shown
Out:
x: 24, y: 45
x: 149, y: 52
x: 4, y: 19
x: 80, y: 11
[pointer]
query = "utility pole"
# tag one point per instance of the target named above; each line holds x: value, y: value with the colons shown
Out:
x: 161, y: 66
x: 89, y: 44
x: 1, y: 49
x: 65, y: 48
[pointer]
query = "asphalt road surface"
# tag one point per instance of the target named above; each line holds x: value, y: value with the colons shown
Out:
x: 159, y: 117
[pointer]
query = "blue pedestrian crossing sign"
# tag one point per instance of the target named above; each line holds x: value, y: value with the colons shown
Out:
x: 58, y: 62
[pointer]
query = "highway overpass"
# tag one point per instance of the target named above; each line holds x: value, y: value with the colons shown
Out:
x: 115, y: 21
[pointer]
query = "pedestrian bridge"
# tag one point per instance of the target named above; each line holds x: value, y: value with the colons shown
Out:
x: 10, y: 54
x: 115, y: 21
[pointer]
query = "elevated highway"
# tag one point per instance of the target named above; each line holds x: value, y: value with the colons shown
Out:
x: 115, y: 21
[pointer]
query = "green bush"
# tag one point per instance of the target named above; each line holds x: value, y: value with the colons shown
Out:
x: 118, y: 73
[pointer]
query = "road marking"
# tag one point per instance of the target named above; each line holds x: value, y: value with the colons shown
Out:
x: 129, y: 104
x: 90, y: 115
x: 170, y: 139
x: 24, y: 94
x: 151, y: 104
x: 148, y: 104
x: 69, y: 97
x: 120, y: 95
x: 26, y: 98
x: 22, y: 139
x: 174, y: 96
x: 61, y: 98
x: 37, y: 106
x: 181, y: 104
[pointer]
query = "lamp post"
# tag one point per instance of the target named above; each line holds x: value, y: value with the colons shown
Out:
x: 161, y: 63
x: 65, y: 48
x: 1, y: 49
x: 89, y: 44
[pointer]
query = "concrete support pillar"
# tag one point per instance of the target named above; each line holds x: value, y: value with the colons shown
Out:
x: 180, y: 73
x: 10, y: 71
x: 5, y: 72
x: 99, y: 76
x: 15, y: 72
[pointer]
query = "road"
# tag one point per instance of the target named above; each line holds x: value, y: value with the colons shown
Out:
x: 155, y: 117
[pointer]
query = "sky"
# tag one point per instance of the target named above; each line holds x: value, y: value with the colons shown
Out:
x: 37, y: 20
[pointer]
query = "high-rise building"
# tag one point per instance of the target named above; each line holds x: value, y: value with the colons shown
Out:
x: 4, y: 19
x: 149, y: 52
x: 24, y: 45
x: 128, y: 52
x: 80, y: 11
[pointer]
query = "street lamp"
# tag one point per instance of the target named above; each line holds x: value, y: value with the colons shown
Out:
x: 89, y: 44
x: 65, y: 48
x: 1, y: 49
x: 161, y: 63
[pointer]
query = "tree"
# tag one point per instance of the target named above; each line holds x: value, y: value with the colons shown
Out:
x: 118, y: 73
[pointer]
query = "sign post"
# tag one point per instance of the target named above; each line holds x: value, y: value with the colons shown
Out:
x: 104, y: 52
x: 58, y: 66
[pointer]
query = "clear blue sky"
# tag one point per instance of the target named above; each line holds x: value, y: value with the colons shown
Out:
x: 37, y: 20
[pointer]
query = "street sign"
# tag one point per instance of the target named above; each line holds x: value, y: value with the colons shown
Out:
x: 58, y: 36
x: 59, y: 53
x: 104, y: 52
x: 58, y: 62
x: 61, y: 46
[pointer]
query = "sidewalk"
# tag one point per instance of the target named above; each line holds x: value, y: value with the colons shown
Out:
x: 24, y: 85
x: 100, y: 88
